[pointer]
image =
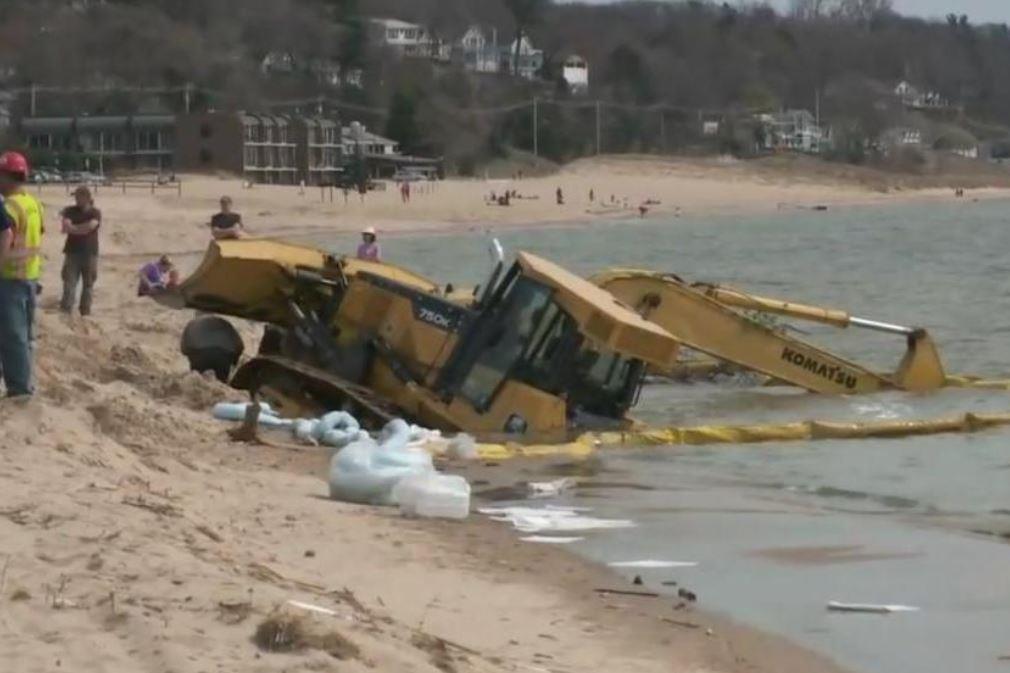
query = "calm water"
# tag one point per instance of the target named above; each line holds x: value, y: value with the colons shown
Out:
x: 892, y: 516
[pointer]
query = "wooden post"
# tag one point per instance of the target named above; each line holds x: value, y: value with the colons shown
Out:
x: 536, y: 139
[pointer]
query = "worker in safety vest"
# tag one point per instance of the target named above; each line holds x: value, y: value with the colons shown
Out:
x: 20, y: 267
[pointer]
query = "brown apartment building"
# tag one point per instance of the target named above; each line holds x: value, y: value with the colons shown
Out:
x: 261, y: 148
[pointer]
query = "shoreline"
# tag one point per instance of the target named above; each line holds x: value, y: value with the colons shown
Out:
x: 138, y: 536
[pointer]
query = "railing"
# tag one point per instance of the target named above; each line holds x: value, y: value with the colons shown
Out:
x: 154, y: 186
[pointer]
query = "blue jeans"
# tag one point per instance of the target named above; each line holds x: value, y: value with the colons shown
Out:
x: 17, y: 318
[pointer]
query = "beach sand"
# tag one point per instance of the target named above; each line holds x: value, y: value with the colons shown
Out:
x: 136, y: 536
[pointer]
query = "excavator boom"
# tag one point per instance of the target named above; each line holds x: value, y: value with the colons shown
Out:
x: 703, y: 318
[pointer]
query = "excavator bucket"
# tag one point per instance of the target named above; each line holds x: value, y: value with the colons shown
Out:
x: 921, y: 369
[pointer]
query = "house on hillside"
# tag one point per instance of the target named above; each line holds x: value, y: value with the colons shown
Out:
x: 575, y: 71
x: 529, y: 62
x: 901, y: 136
x: 912, y: 97
x: 792, y: 131
x: 410, y: 40
x: 477, y: 53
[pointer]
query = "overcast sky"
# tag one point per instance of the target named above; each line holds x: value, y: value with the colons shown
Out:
x: 979, y: 11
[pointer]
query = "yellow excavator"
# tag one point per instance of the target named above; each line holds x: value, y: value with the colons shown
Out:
x: 711, y: 319
x: 537, y: 353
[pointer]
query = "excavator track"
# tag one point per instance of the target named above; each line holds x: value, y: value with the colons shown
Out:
x: 273, y: 373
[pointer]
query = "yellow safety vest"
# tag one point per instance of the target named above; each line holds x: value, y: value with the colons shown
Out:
x: 24, y: 260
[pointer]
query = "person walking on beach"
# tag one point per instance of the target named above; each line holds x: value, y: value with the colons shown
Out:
x: 369, y: 249
x: 157, y: 277
x: 20, y: 267
x: 227, y: 223
x: 80, y: 222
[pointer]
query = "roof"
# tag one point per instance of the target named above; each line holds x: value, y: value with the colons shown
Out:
x: 605, y: 320
x: 98, y: 122
x: 365, y: 136
x: 394, y: 23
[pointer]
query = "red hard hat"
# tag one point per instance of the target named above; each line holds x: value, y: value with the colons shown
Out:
x: 14, y: 162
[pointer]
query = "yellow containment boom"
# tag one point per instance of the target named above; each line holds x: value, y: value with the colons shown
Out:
x: 703, y: 318
x: 702, y: 435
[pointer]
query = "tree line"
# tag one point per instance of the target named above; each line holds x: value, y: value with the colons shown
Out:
x: 668, y: 59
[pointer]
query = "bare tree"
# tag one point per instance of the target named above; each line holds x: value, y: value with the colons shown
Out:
x: 526, y: 14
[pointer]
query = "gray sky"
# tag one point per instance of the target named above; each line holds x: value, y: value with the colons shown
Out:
x: 979, y: 11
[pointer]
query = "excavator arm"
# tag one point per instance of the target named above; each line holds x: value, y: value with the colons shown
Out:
x: 705, y: 318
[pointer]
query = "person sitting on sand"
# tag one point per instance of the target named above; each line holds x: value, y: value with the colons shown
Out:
x: 157, y: 277
x: 226, y: 224
x: 369, y: 250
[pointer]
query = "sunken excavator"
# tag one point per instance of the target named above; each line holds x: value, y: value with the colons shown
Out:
x: 712, y: 319
x: 537, y: 352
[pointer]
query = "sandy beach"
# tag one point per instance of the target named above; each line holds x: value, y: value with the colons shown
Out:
x: 136, y: 536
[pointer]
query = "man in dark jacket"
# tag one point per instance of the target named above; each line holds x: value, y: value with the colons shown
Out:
x: 80, y: 222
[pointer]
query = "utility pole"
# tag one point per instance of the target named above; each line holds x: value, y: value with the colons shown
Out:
x: 597, y: 127
x: 33, y: 100
x: 536, y: 139
x: 662, y: 129
x: 817, y: 106
x: 186, y: 95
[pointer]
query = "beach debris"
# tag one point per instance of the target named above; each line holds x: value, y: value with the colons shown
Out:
x: 678, y: 622
x: 462, y: 447
x: 652, y: 563
x: 551, y: 519
x: 551, y: 539
x: 234, y: 611
x: 437, y: 650
x: 637, y: 581
x: 876, y: 608
x: 550, y: 489
x: 429, y: 495
x: 626, y: 592
x: 284, y: 631
x: 687, y: 595
x: 313, y: 608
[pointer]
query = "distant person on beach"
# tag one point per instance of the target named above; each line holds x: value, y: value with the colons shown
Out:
x: 592, y: 195
x: 157, y: 277
x: 369, y: 249
x: 227, y: 223
x: 80, y: 222
x: 561, y: 197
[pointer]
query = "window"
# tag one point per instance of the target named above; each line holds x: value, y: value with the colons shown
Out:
x: 505, y: 341
x: 206, y: 130
x: 250, y: 133
x: 148, y: 141
x: 205, y: 156
x: 250, y: 156
x: 43, y: 141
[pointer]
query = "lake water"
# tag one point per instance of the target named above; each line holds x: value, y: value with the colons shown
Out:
x: 780, y: 529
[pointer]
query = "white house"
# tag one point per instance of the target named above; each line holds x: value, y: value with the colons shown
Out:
x: 530, y: 60
x: 479, y: 54
x: 358, y: 140
x: 792, y: 130
x: 575, y: 71
x: 409, y: 39
x: 912, y: 97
